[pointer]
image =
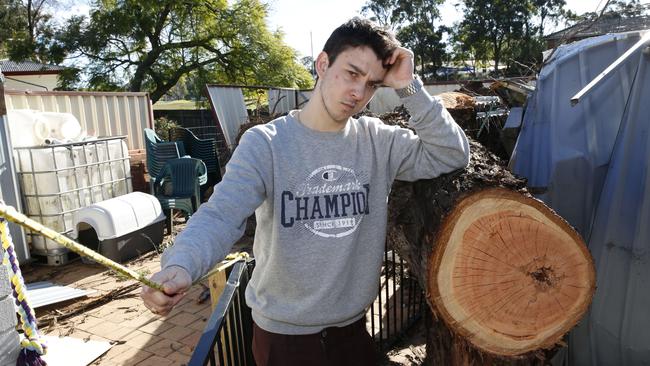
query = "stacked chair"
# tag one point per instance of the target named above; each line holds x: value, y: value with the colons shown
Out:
x: 178, y: 186
x: 203, y: 149
x: 159, y: 153
x: 175, y: 177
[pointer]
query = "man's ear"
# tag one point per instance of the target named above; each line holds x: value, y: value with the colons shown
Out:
x: 322, y: 63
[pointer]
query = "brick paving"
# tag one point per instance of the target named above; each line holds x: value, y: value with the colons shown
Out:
x: 138, y: 337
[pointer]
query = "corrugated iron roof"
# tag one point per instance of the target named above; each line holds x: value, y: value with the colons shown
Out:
x: 601, y: 26
x: 8, y: 66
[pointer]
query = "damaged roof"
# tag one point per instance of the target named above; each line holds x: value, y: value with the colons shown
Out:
x: 603, y: 25
x: 9, y: 67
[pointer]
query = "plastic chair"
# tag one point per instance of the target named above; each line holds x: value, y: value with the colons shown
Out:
x: 178, y: 186
x: 160, y: 152
x: 203, y: 149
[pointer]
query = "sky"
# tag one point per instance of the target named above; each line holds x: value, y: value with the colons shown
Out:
x: 299, y: 19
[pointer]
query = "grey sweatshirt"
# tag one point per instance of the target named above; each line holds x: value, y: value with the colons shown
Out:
x: 320, y: 200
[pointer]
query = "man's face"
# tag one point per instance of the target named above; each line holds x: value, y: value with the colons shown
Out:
x: 348, y: 84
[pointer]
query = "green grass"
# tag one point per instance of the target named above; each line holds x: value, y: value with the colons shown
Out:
x: 175, y: 104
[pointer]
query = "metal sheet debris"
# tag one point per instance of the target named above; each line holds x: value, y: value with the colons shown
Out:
x: 229, y: 105
x: 46, y: 293
x: 565, y: 150
x: 281, y: 100
x: 69, y: 351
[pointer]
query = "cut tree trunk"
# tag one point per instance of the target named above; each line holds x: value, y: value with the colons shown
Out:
x: 505, y: 277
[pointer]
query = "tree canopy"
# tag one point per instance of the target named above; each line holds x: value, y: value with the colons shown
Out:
x: 154, y: 44
x: 497, y: 24
x: 617, y: 9
x: 29, y: 32
x: 417, y: 23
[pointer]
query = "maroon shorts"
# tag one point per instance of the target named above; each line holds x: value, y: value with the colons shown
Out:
x: 350, y: 345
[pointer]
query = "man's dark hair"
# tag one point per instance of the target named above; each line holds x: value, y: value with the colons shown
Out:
x: 358, y: 32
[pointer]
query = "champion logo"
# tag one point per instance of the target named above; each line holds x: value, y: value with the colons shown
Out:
x: 330, y: 175
x: 331, y: 202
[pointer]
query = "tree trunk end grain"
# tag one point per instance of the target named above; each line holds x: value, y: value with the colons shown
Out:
x: 509, y: 275
x: 505, y: 277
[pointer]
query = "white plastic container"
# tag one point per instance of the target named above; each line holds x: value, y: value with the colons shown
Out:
x: 31, y: 128
x: 25, y: 128
x: 61, y: 126
x: 58, y: 180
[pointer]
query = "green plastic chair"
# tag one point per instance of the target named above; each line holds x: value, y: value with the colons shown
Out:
x: 203, y: 149
x: 178, y: 186
x: 159, y: 152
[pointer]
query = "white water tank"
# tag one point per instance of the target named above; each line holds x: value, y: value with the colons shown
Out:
x: 32, y: 128
x: 57, y: 180
x: 60, y: 126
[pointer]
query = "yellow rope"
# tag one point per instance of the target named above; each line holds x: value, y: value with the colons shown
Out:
x: 230, y: 260
x: 14, y: 216
x: 32, y: 339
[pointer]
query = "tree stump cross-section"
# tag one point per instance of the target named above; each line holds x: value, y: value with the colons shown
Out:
x: 507, y: 274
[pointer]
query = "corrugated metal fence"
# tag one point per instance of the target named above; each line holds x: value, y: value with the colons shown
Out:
x: 101, y: 114
x: 9, y: 190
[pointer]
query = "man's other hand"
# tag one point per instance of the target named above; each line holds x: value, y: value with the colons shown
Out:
x: 175, y: 281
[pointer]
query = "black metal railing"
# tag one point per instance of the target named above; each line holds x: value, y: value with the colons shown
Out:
x: 398, y: 304
x: 227, y: 337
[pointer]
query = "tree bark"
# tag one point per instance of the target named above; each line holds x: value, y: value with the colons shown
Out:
x: 504, y: 276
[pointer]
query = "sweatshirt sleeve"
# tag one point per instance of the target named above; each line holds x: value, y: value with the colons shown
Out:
x: 439, y: 147
x: 221, y: 221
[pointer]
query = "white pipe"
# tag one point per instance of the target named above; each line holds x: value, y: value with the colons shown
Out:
x: 615, y: 65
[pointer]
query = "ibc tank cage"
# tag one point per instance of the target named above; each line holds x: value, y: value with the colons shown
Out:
x: 57, y: 180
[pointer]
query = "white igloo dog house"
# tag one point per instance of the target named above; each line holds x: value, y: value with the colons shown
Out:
x: 121, y: 228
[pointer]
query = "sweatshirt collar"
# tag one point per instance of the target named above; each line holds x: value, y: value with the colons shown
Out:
x: 291, y: 118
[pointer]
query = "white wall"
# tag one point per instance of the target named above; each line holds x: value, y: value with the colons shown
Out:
x: 43, y: 82
x: 385, y: 99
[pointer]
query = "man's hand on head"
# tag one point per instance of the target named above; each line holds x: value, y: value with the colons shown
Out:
x: 175, y: 281
x: 400, y: 75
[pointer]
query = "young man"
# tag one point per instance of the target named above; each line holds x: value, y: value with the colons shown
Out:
x: 318, y: 181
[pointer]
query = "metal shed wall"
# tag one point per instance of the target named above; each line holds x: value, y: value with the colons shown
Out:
x: 593, y: 161
x: 282, y: 100
x: 101, y: 114
x: 563, y: 149
x: 615, y: 331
